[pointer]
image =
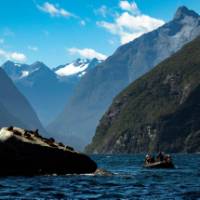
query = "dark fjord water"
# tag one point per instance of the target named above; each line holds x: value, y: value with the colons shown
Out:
x: 130, y: 181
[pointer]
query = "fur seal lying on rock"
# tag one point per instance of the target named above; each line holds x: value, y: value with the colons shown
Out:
x: 24, y: 152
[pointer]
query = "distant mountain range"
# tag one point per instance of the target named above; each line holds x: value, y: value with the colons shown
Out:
x: 159, y: 111
x: 96, y: 90
x: 48, y: 89
x: 15, y: 110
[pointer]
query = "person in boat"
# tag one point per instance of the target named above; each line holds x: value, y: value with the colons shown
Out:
x: 167, y: 158
x: 160, y: 156
x: 149, y: 159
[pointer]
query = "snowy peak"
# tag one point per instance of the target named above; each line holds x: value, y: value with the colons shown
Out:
x: 79, y: 67
x: 39, y: 70
x: 75, y: 67
x: 183, y: 11
x: 45, y: 90
x: 16, y: 70
x: 10, y: 64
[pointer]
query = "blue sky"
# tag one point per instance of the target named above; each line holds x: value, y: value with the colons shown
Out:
x: 58, y: 31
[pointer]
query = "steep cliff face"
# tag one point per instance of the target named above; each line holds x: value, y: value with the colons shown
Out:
x: 14, y: 108
x: 47, y: 89
x: 7, y: 118
x: 97, y: 89
x: 161, y: 110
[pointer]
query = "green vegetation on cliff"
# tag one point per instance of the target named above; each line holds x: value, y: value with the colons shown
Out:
x: 160, y: 110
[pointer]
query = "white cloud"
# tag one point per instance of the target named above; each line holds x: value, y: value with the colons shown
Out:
x: 87, y: 53
x: 54, y: 10
x: 3, y: 53
x: 103, y: 11
x: 130, y: 24
x: 33, y: 48
x: 131, y: 7
x: 16, y: 56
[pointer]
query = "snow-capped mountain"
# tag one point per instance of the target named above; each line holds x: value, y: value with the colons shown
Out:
x: 48, y: 89
x: 18, y: 71
x: 77, y: 68
x: 96, y: 91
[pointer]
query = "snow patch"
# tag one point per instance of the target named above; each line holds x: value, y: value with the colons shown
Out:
x: 82, y: 74
x: 24, y: 74
x: 72, y: 69
x: 17, y: 65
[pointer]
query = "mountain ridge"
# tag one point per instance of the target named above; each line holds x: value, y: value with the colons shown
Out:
x: 97, y: 89
x: 159, y: 111
x: 46, y: 91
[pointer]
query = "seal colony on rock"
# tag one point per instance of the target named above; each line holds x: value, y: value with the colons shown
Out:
x: 25, y: 152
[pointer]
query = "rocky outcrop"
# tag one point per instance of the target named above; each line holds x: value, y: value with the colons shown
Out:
x: 24, y: 152
x: 159, y: 111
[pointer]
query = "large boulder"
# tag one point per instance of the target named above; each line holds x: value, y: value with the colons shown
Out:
x: 24, y: 152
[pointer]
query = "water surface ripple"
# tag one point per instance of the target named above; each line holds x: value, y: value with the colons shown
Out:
x: 130, y: 181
